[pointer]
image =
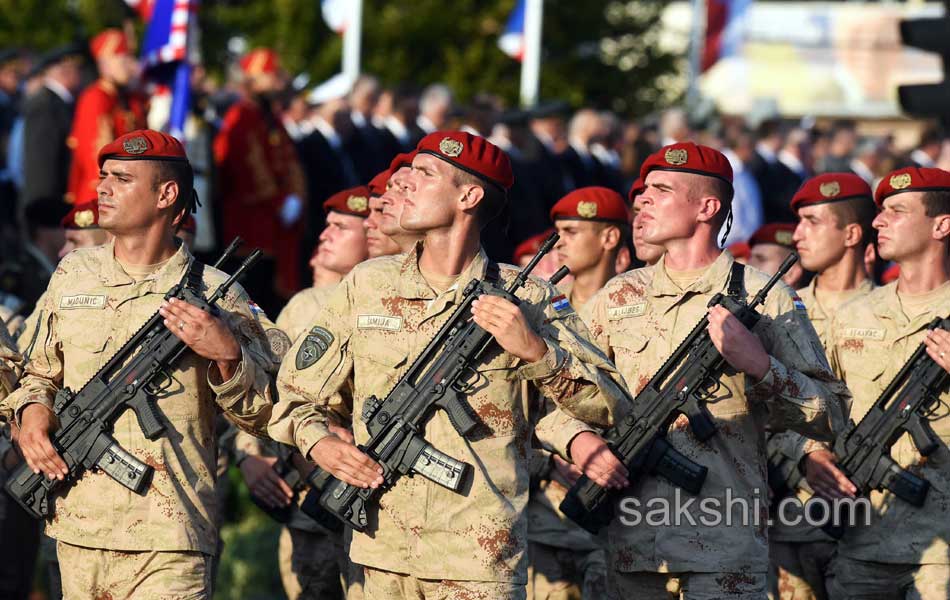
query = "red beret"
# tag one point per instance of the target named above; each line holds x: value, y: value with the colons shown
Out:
x: 108, y: 43
x: 530, y: 246
x: 354, y: 201
x: 636, y: 189
x: 912, y: 179
x: 688, y: 157
x: 82, y: 216
x: 259, y: 61
x: 592, y: 204
x: 402, y: 160
x: 774, y: 233
x: 892, y: 273
x: 143, y: 144
x: 377, y: 185
x: 471, y: 153
x: 740, y: 250
x: 830, y: 187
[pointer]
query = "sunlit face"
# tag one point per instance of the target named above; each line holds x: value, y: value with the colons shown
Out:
x: 903, y: 228
x: 377, y: 242
x: 667, y: 213
x: 342, y: 243
x: 82, y: 238
x: 127, y: 195
x: 581, y: 245
x: 432, y: 203
x: 647, y: 253
x: 818, y: 239
x: 398, y: 189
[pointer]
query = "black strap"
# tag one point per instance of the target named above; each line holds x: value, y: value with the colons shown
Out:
x: 195, y: 275
x: 737, y: 280
x: 492, y: 273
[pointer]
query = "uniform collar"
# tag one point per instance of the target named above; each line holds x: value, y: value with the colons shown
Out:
x: 888, y: 306
x: 413, y: 286
x: 113, y: 275
x: 714, y: 279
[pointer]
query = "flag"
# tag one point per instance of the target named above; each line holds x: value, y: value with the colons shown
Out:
x: 170, y: 27
x: 511, y: 40
x: 724, y: 30
x: 335, y: 14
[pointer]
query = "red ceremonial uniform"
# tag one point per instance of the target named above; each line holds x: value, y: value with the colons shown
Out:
x: 257, y: 169
x: 103, y: 113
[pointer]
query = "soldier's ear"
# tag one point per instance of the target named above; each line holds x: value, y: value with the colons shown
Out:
x: 709, y: 207
x: 472, y: 196
x: 941, y: 229
x: 167, y: 194
x: 853, y: 235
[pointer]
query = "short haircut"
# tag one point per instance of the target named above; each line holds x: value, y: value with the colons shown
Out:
x: 936, y: 202
x: 181, y: 173
x: 713, y: 186
x: 494, y: 200
x: 856, y: 210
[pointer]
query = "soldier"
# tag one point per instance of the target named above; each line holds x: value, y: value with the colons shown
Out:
x: 82, y: 228
x: 593, y: 224
x: 905, y: 550
x: 566, y: 561
x: 105, y: 110
x: 261, y: 190
x: 377, y: 242
x: 781, y: 376
x: 112, y: 543
x: 648, y: 254
x: 430, y: 542
x: 769, y: 246
x: 835, y: 212
x: 399, y: 189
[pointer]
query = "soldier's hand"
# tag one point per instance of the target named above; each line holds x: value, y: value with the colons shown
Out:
x: 938, y: 347
x: 264, y: 482
x: 739, y: 347
x: 826, y: 478
x: 508, y: 325
x: 341, y: 432
x: 347, y: 463
x: 36, y: 423
x: 591, y: 454
x: 564, y: 472
x: 204, y: 333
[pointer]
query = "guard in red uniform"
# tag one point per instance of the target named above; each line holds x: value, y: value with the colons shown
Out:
x: 261, y: 188
x: 105, y: 110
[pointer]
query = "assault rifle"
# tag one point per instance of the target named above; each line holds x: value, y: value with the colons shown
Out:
x: 864, y: 451
x: 436, y: 379
x: 133, y: 378
x: 783, y: 475
x: 682, y: 385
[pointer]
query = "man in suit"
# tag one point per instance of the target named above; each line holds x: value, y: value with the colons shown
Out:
x: 47, y: 120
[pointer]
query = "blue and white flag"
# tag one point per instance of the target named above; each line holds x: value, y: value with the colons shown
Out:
x: 511, y: 41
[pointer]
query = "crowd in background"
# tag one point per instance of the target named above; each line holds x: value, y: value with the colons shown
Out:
x: 341, y: 133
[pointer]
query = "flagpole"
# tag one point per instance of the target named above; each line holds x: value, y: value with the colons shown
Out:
x: 697, y: 46
x: 352, y: 40
x: 531, y: 61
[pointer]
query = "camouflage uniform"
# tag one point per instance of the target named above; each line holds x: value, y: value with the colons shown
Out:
x: 301, y: 311
x: 311, y: 558
x: 905, y: 552
x: 564, y: 560
x: 800, y: 554
x: 92, y: 307
x: 639, y: 318
x: 380, y: 317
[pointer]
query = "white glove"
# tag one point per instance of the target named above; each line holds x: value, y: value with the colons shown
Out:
x: 291, y: 210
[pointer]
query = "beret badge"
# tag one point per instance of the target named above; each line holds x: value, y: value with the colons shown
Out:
x: 357, y: 203
x: 84, y: 218
x: 830, y: 189
x: 136, y: 145
x: 587, y: 210
x: 449, y: 147
x: 676, y: 156
x: 783, y: 237
x: 900, y: 182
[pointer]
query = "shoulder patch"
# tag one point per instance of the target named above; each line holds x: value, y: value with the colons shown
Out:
x: 256, y: 310
x: 279, y: 342
x: 82, y: 301
x: 314, y: 346
x: 630, y: 310
x: 798, y: 302
x: 386, y: 322
x: 561, y: 305
x: 864, y: 333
